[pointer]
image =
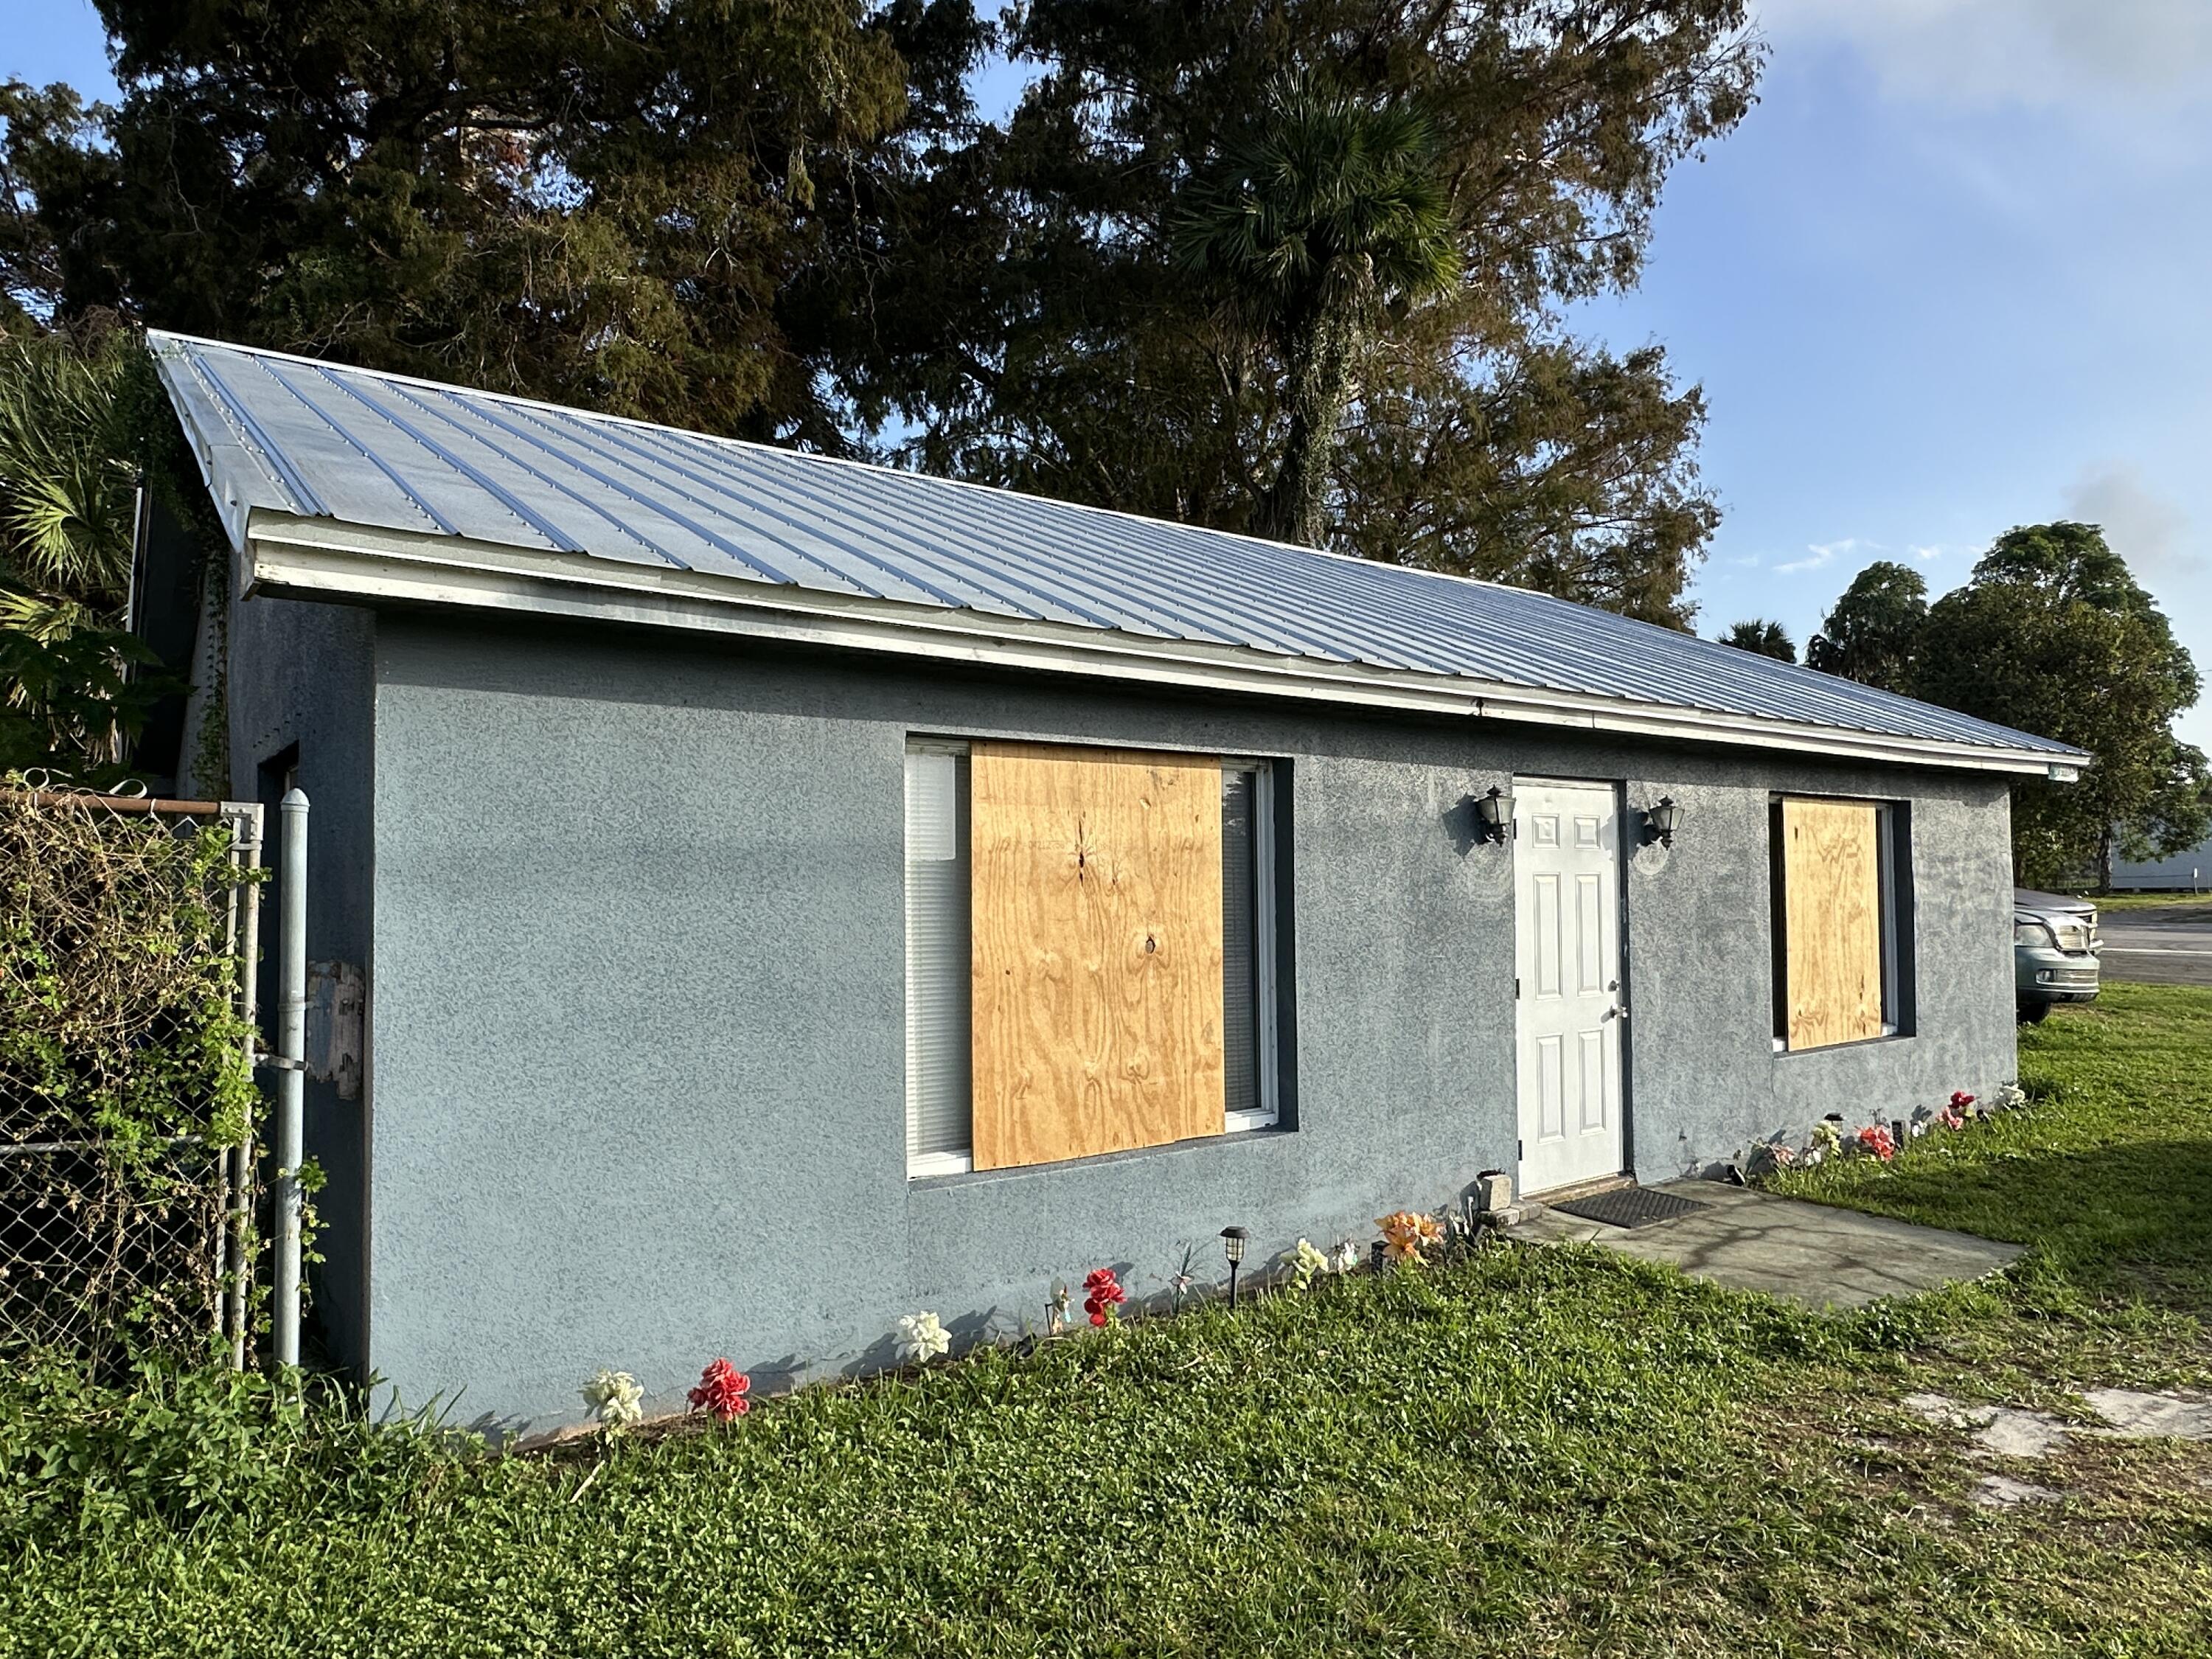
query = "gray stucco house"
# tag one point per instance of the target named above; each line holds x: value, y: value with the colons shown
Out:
x: 790, y: 894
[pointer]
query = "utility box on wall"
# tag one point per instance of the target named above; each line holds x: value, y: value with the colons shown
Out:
x: 336, y: 1001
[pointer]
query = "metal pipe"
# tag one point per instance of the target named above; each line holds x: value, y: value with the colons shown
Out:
x: 225, y: 1266
x: 291, y: 1076
x: 242, y: 1156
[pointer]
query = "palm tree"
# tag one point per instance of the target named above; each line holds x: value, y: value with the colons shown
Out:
x: 73, y: 685
x: 1763, y: 638
x: 1328, y: 213
x: 68, y: 485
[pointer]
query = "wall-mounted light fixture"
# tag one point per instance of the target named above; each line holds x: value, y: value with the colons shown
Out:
x: 1232, y: 1246
x: 1661, y: 821
x: 1496, y: 812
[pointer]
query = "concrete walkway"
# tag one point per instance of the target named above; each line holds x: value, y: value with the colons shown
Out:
x: 1754, y: 1241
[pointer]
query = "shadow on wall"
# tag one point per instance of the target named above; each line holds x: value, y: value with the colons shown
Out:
x: 1463, y: 823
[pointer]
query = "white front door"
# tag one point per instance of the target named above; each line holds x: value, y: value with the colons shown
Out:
x: 1566, y: 957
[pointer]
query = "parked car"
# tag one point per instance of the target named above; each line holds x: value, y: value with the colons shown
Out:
x: 2054, y: 952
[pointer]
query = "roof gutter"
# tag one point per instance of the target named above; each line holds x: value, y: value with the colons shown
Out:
x: 310, y: 558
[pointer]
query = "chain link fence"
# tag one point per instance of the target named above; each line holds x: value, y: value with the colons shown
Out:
x: 128, y: 927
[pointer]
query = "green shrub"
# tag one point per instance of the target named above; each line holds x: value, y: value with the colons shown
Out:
x: 79, y: 1454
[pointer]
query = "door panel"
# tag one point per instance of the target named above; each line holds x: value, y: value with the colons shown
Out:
x: 1570, y: 1006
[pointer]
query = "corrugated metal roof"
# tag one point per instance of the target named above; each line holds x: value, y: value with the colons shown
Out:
x: 297, y: 436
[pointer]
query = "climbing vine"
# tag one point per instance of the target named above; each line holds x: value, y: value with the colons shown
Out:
x: 125, y: 1077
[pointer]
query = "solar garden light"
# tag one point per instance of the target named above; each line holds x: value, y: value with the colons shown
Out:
x: 1232, y: 1245
x: 1496, y: 812
x: 1661, y: 821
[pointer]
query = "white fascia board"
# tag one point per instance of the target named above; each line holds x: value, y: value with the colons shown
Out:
x: 322, y: 559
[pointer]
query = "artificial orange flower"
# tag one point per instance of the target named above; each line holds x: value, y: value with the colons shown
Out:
x: 1407, y: 1233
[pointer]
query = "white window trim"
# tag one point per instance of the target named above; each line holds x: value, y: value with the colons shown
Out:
x: 923, y: 1166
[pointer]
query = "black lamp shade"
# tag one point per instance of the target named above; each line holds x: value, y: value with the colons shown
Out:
x: 1496, y: 810
x: 1666, y: 816
x: 1232, y: 1243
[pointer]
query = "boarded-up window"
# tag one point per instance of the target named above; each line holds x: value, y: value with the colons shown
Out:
x: 1834, y: 953
x: 1106, y: 911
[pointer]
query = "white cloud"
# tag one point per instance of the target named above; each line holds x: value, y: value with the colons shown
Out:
x: 1818, y: 554
x: 2042, y: 53
x: 2147, y: 529
x: 1925, y: 555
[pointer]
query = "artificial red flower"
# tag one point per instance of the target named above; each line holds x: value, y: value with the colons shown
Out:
x: 1961, y: 1100
x: 723, y: 1389
x: 1877, y: 1140
x: 1104, y: 1297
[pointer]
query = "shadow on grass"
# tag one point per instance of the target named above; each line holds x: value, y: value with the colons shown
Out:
x: 2132, y: 1220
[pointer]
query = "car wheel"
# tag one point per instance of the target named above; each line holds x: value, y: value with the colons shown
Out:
x: 2034, y: 1013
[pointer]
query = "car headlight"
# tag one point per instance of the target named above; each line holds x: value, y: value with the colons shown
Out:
x: 2032, y: 933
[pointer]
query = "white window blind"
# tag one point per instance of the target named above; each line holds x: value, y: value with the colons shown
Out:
x: 937, y: 956
x: 1240, y: 903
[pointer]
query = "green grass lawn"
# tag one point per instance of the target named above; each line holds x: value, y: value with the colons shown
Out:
x: 2145, y: 900
x: 1534, y: 1452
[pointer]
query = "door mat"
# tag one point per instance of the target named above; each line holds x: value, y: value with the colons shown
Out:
x: 1629, y: 1206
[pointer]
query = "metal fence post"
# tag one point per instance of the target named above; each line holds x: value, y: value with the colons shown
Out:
x: 291, y: 1076
x: 238, y: 1225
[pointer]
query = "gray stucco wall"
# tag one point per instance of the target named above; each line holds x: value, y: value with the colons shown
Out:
x: 637, y: 1016
x: 303, y: 675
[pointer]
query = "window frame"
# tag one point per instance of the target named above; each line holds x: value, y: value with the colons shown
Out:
x: 1892, y: 864
x: 1265, y: 771
x: 1268, y: 1114
x: 921, y: 1164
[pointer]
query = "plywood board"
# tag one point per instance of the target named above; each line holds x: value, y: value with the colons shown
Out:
x: 1096, y: 909
x: 1831, y: 894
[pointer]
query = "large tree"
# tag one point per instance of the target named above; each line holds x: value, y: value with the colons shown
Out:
x: 1566, y: 469
x: 1873, y: 635
x: 2052, y: 635
x: 1293, y: 265
x: 1299, y: 266
x: 601, y: 204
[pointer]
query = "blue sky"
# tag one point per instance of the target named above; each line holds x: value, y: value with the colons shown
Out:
x: 1949, y: 277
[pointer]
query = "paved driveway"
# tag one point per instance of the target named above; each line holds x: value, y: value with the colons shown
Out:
x: 2170, y: 945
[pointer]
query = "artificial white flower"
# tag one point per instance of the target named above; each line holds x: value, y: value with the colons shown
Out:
x: 923, y: 1337
x: 615, y: 1400
x: 1307, y: 1261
